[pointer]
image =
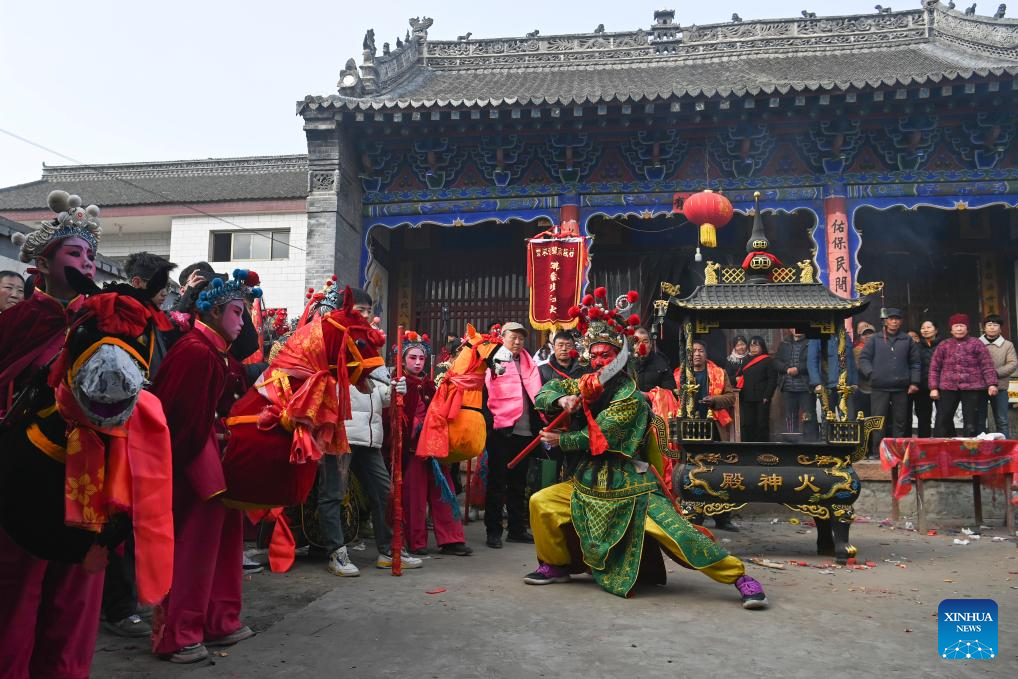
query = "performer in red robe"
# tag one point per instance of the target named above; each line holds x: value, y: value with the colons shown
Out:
x: 197, y: 384
x: 49, y: 610
x: 424, y: 480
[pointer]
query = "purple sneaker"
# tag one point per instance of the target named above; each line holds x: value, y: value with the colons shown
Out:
x: 546, y: 574
x: 752, y: 593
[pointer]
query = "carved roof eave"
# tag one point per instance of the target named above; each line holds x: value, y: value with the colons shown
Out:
x: 336, y: 102
x: 767, y: 297
x: 933, y: 23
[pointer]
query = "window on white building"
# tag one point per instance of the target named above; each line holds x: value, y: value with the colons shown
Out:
x: 232, y: 246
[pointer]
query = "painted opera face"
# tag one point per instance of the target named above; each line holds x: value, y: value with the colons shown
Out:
x: 601, y: 356
x: 414, y: 360
x: 75, y: 253
x: 233, y: 319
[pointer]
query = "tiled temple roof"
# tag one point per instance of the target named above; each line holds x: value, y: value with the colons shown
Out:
x: 178, y: 181
x: 931, y: 44
x: 766, y: 297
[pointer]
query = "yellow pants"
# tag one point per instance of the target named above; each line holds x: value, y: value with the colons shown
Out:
x: 550, y: 512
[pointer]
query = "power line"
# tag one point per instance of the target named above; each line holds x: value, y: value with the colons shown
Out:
x: 143, y: 189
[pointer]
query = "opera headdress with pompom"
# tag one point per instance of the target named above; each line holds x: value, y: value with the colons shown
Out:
x: 219, y: 292
x: 72, y: 221
x: 412, y: 339
x: 601, y: 324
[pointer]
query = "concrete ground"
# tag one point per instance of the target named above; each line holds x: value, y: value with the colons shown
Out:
x: 474, y: 617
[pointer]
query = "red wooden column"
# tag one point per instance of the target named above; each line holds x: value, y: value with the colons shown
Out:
x: 569, y: 218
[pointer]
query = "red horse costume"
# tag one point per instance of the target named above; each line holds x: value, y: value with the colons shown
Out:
x: 64, y: 485
x: 296, y: 410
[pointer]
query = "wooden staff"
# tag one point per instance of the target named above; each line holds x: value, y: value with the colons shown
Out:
x: 562, y: 417
x: 396, y: 430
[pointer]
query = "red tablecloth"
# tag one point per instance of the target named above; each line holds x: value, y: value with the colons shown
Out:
x: 945, y: 458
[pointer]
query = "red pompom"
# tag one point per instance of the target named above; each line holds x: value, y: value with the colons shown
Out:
x: 427, y: 340
x: 633, y: 320
x: 641, y: 350
x: 632, y: 296
x: 613, y: 313
x: 595, y: 312
x: 311, y: 290
x: 587, y: 300
x: 573, y: 353
x: 600, y: 293
x: 376, y: 337
x: 574, y: 311
x: 334, y: 278
x: 252, y: 278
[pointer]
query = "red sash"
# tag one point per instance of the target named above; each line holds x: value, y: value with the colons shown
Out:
x: 740, y: 379
x: 715, y: 386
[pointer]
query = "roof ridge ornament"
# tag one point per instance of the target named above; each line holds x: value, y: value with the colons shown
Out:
x: 420, y: 27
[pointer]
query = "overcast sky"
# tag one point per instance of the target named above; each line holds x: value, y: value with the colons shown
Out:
x: 108, y: 81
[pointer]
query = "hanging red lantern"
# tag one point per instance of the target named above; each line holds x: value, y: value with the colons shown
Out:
x: 710, y: 211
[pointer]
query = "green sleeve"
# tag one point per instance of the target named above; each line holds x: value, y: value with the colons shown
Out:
x: 623, y: 423
x: 547, y: 399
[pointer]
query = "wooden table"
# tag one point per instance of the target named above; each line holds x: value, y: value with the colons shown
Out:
x: 912, y: 460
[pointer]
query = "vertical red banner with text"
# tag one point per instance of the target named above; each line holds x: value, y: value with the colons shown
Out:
x: 839, y: 255
x: 555, y: 277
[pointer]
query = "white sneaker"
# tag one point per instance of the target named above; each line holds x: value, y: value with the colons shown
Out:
x: 251, y: 566
x: 339, y: 564
x: 407, y: 561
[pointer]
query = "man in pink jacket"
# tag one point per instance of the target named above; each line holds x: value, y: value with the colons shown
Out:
x: 514, y: 423
x: 961, y: 370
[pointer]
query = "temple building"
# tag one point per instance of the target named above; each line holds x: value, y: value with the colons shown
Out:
x: 883, y: 146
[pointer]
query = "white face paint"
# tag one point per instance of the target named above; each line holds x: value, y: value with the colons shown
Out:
x: 501, y: 356
x: 107, y: 386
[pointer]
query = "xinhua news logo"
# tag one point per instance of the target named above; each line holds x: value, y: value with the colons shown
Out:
x: 967, y: 629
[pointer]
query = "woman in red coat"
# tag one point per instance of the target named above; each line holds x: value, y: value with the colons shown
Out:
x: 424, y: 480
x: 961, y: 370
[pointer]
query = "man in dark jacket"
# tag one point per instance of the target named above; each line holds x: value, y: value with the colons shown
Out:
x: 825, y: 370
x: 563, y: 363
x: 792, y: 364
x: 890, y: 360
x: 652, y: 367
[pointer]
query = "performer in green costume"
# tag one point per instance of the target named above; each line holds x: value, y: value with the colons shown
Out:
x: 614, y: 502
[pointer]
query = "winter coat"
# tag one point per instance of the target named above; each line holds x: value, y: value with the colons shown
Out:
x: 506, y: 392
x: 652, y: 371
x: 890, y: 362
x: 759, y: 380
x: 553, y: 370
x: 926, y: 350
x: 829, y: 377
x: 364, y: 428
x: 1005, y: 360
x: 792, y: 354
x: 733, y: 363
x: 962, y: 365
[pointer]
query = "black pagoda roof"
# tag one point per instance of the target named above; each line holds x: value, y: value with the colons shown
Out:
x: 929, y: 45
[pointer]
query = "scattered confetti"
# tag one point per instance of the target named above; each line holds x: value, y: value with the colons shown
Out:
x: 437, y: 590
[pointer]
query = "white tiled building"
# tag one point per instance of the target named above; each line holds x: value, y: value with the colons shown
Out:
x: 232, y: 212
x: 194, y: 239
